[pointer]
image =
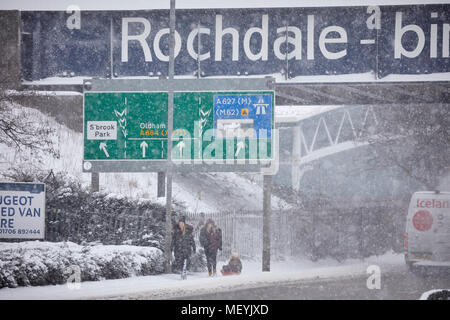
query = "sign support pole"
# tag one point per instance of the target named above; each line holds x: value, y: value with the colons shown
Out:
x: 267, y: 210
x: 95, y: 181
x: 161, y: 191
x: 168, y: 251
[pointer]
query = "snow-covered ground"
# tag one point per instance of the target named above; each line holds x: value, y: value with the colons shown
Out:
x: 171, y: 286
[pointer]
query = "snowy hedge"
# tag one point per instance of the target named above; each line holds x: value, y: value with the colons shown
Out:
x: 43, y: 263
x: 74, y: 213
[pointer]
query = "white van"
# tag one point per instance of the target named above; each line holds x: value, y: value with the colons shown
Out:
x: 427, y: 237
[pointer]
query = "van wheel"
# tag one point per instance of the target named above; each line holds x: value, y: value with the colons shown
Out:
x: 415, y: 270
x: 421, y: 272
x: 409, y: 265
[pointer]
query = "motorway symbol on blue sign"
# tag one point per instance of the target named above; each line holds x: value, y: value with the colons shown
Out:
x: 242, y: 116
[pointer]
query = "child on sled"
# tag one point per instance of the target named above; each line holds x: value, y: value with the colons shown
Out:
x: 234, y: 266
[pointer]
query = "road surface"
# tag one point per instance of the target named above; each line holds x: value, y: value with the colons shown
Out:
x: 395, y: 284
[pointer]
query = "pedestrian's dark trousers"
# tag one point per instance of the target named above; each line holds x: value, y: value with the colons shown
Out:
x: 179, y: 262
x: 211, y: 260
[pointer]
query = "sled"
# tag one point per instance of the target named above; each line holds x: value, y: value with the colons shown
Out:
x: 229, y: 273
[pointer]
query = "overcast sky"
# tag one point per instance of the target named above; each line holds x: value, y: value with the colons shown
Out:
x: 164, y: 4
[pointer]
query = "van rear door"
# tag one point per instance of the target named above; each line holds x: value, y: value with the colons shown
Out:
x: 441, y: 250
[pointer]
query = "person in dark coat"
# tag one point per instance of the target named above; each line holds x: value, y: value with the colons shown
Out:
x: 211, y: 241
x: 183, y: 244
x: 234, y: 266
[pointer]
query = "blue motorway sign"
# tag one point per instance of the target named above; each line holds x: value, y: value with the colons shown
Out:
x: 242, y: 116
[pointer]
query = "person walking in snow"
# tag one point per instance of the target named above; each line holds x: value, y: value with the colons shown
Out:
x: 183, y: 244
x: 211, y: 241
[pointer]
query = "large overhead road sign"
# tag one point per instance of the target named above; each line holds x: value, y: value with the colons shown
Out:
x: 218, y: 125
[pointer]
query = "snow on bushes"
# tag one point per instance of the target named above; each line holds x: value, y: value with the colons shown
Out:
x: 75, y: 214
x: 43, y: 263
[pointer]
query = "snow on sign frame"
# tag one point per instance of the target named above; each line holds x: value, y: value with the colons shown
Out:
x: 218, y: 125
x: 22, y: 210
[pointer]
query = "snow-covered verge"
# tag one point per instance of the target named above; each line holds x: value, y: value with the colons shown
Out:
x: 167, y: 286
x: 436, y: 294
x: 36, y: 263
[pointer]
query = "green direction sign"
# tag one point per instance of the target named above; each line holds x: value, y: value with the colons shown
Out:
x: 126, y: 125
x: 207, y: 125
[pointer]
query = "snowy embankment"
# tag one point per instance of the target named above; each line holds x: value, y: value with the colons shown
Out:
x: 191, y: 192
x: 42, y: 263
x: 166, y: 286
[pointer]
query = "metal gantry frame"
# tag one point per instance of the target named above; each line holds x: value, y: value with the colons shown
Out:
x: 167, y: 168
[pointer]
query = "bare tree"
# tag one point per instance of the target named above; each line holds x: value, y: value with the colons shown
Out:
x: 416, y: 139
x: 19, y: 130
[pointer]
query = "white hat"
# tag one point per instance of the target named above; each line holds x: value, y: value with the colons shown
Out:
x: 235, y: 252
